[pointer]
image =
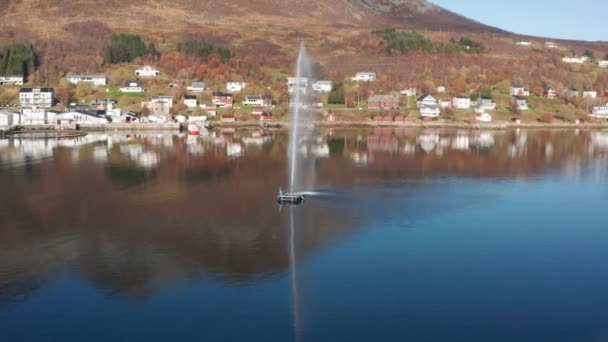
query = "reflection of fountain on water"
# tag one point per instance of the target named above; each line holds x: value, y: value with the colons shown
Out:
x: 295, y: 297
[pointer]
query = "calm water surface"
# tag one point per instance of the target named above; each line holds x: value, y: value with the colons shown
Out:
x: 418, y: 235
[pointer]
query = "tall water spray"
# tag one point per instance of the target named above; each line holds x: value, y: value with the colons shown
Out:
x: 300, y: 123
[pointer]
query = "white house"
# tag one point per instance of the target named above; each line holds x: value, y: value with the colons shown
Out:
x: 322, y: 86
x: 440, y: 89
x: 147, y: 71
x: 364, y: 77
x: 37, y: 116
x: 524, y: 43
x: 487, y: 103
x: 600, y: 111
x: 430, y: 111
x: 235, y: 87
x: 196, y: 87
x: 461, y: 102
x: 409, y: 91
x: 292, y: 82
x: 11, y: 80
x: 39, y: 97
x: 159, y: 106
x: 9, y: 119
x: 550, y: 45
x: 254, y: 100
x: 590, y: 94
x: 520, y: 91
x: 520, y: 103
x: 426, y: 100
x: 96, y: 80
x: 483, y: 117
x: 190, y: 101
x: 74, y: 117
x: 603, y: 64
x: 132, y: 86
x: 575, y: 60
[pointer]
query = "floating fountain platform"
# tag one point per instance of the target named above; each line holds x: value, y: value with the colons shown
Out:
x: 290, y: 198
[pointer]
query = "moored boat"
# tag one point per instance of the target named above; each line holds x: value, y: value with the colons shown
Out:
x: 194, y: 129
x: 289, y: 198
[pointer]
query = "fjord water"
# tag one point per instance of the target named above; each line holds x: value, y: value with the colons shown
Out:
x: 423, y: 235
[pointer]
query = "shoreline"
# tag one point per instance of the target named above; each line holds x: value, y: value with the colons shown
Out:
x: 434, y: 124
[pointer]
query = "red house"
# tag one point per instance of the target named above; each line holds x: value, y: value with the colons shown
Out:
x: 228, y: 118
x: 257, y: 111
x: 382, y: 102
x: 220, y: 99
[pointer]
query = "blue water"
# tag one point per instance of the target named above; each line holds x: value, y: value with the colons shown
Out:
x: 437, y: 258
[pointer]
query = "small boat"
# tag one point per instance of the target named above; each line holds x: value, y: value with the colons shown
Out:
x: 289, y: 198
x: 194, y: 129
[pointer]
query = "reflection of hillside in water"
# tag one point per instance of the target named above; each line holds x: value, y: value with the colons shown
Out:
x: 135, y: 213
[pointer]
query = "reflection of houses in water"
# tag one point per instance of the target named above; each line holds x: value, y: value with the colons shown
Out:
x: 18, y: 151
x: 409, y: 149
x: 321, y: 150
x: 460, y: 143
x: 483, y: 140
x: 519, y: 147
x: 257, y: 139
x: 100, y: 154
x: 599, y: 140
x: 428, y: 142
x: 193, y: 146
x: 382, y: 143
x: 361, y: 158
x: 234, y: 150
x: 136, y: 152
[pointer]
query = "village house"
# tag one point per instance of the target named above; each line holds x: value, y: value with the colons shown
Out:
x: 409, y: 91
x: 550, y: 45
x: 8, y: 119
x: 426, y: 100
x: 37, y: 116
x: 292, y: 82
x: 257, y: 111
x: 364, y: 77
x: 520, y: 103
x: 520, y: 91
x: 431, y: 111
x: 603, y: 64
x: 80, y: 117
x: 38, y: 97
x: 191, y: 101
x: 441, y: 89
x: 103, y: 102
x: 220, y: 99
x: 570, y: 92
x: 11, y: 80
x: 483, y: 117
x: 228, y: 118
x: 96, y: 80
x: 196, y: 87
x: 382, y: 102
x: 600, y: 112
x: 487, y: 103
x: 590, y: 94
x: 524, y: 43
x: 132, y: 86
x: 147, y: 71
x: 445, y: 103
x: 235, y: 87
x: 549, y: 92
x: 257, y: 100
x: 575, y: 60
x: 322, y: 86
x: 266, y: 116
x: 159, y: 105
x: 461, y: 102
